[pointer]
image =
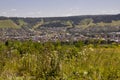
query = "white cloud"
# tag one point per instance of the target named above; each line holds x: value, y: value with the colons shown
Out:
x: 68, y: 12
x: 79, y: 11
x: 38, y: 12
x: 13, y: 9
x: 4, y: 13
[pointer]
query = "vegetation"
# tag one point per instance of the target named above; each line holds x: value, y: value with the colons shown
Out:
x: 38, y: 24
x: 21, y: 23
x: 86, y: 23
x: 8, y: 24
x: 30, y: 60
x: 95, y: 23
x: 82, y: 60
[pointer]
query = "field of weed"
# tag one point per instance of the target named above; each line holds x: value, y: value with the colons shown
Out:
x: 59, y: 61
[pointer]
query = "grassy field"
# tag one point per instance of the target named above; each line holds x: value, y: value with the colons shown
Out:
x: 8, y: 24
x: 59, y: 61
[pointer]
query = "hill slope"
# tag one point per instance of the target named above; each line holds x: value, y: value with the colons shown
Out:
x: 8, y: 24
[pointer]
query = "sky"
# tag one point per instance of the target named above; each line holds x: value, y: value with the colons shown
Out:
x: 57, y: 8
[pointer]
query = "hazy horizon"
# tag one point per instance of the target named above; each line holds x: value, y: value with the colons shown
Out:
x: 57, y: 8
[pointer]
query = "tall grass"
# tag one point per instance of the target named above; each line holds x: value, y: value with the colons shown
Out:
x: 57, y: 61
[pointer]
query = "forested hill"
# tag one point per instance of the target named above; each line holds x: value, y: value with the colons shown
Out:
x: 74, y: 19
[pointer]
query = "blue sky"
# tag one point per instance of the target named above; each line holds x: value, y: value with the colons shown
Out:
x: 53, y: 8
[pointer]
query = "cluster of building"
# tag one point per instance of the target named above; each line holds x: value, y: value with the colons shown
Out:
x: 111, y: 36
x: 56, y: 34
x: 44, y: 34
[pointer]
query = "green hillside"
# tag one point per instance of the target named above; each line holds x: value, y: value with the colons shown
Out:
x: 38, y: 24
x: 8, y: 24
x: 21, y: 23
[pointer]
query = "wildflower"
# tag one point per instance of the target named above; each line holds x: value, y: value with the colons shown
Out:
x: 91, y: 49
x: 80, y: 53
x: 85, y: 73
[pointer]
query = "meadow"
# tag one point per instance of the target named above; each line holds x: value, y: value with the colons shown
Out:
x: 30, y: 60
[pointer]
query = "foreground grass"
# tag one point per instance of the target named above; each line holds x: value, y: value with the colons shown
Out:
x: 58, y: 61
